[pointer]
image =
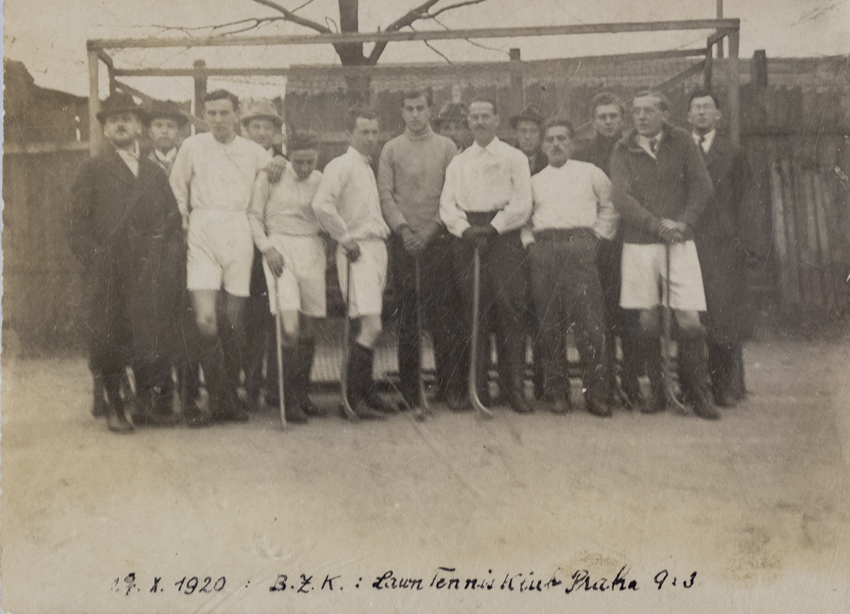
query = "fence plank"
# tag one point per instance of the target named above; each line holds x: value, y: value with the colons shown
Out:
x: 780, y: 242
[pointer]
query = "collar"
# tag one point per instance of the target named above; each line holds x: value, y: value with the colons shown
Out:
x: 419, y: 137
x: 707, y: 141
x: 166, y: 157
x: 491, y: 146
x: 130, y: 153
x: 358, y: 156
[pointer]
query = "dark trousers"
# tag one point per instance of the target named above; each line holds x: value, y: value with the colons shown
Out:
x: 501, y: 298
x: 619, y: 322
x: 260, y: 335
x: 123, y: 332
x: 442, y: 316
x: 568, y: 294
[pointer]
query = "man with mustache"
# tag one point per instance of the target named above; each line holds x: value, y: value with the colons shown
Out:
x: 124, y: 223
x: 485, y: 201
x: 572, y: 211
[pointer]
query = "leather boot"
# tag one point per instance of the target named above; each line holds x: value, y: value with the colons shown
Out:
x: 303, y: 365
x: 116, y: 421
x: 649, y: 348
x: 372, y: 398
x: 99, y: 407
x: 518, y: 401
x: 360, y: 382
x: 292, y: 410
x: 694, y: 368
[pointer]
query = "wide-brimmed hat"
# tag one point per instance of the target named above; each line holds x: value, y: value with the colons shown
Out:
x: 530, y: 113
x: 451, y: 112
x: 119, y: 102
x: 262, y: 109
x: 165, y: 109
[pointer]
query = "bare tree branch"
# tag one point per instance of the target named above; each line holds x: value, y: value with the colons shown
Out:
x: 421, y: 12
x: 454, y: 6
x: 296, y: 19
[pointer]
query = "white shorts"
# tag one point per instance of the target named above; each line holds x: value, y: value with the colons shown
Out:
x: 369, y: 277
x: 644, y: 269
x: 221, y: 251
x: 301, y: 287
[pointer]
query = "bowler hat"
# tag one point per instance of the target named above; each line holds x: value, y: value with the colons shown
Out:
x: 119, y: 102
x: 262, y: 109
x: 165, y: 109
x: 451, y: 112
x: 530, y: 113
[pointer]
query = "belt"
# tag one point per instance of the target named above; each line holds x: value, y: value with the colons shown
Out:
x: 480, y: 218
x: 563, y: 234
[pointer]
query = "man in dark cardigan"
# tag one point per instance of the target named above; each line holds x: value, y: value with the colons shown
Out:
x: 720, y: 239
x: 608, y: 114
x: 661, y: 188
x: 124, y: 223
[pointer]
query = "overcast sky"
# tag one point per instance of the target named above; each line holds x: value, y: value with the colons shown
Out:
x: 49, y: 36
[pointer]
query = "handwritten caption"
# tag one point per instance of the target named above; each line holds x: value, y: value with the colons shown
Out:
x: 444, y: 579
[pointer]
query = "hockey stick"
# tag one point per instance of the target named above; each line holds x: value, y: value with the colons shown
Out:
x: 473, y: 351
x: 278, y: 333
x: 665, y: 350
x: 346, y: 350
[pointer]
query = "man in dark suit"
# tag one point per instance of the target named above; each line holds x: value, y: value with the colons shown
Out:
x: 722, y: 252
x: 123, y: 223
x: 608, y: 114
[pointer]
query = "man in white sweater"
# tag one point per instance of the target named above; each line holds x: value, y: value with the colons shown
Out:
x: 212, y: 179
x: 349, y: 209
x: 286, y: 232
x: 572, y: 210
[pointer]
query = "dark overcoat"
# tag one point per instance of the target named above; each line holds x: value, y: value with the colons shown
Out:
x: 719, y: 236
x: 127, y: 233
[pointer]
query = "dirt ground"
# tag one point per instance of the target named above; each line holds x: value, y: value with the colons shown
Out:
x: 756, y: 505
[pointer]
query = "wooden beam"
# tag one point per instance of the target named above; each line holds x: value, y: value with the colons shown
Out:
x: 369, y: 37
x: 200, y: 73
x: 733, y: 83
x: 708, y: 69
x: 696, y: 69
x: 348, y: 70
x: 128, y: 89
x: 95, y: 134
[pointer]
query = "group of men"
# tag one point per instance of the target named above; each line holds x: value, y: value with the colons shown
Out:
x: 176, y: 242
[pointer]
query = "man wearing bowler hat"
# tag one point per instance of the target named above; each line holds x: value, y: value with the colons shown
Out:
x: 123, y: 223
x: 451, y: 122
x: 528, y: 125
x: 164, y: 121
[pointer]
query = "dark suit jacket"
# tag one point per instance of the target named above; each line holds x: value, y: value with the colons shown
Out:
x: 127, y: 233
x: 718, y: 236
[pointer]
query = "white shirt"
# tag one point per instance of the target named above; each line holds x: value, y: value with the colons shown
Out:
x: 576, y: 195
x: 167, y: 158
x: 283, y: 208
x: 481, y: 179
x: 707, y: 141
x: 131, y: 158
x: 347, y: 202
x: 218, y: 176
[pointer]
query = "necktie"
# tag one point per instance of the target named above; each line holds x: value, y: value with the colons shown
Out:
x: 653, y: 145
x: 702, y: 144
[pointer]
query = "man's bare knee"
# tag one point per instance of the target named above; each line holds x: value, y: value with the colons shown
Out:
x: 207, y: 325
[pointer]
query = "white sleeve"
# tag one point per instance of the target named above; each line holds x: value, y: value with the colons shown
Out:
x: 452, y: 215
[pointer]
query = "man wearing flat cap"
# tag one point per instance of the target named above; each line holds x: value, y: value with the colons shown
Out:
x: 260, y: 123
x: 123, y: 222
x: 451, y: 122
